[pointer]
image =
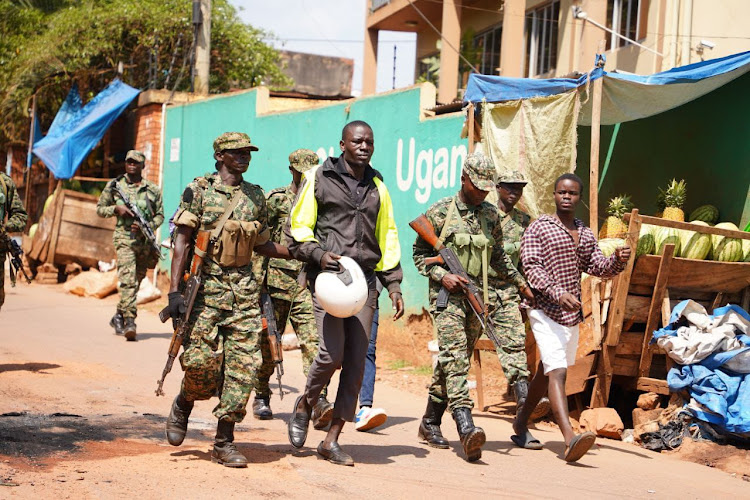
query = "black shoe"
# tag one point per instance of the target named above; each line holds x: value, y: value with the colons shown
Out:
x: 262, y: 408
x: 429, y: 427
x: 335, y: 455
x: 298, y: 426
x: 322, y: 413
x: 118, y: 323
x: 225, y: 452
x: 472, y: 437
x: 177, y: 422
x: 129, y: 329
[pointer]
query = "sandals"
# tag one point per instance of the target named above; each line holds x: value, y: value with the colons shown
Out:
x: 579, y: 445
x: 527, y: 441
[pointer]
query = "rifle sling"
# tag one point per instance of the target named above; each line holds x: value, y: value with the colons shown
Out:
x: 216, y: 231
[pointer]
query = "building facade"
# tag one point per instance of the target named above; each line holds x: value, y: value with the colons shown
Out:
x: 553, y: 38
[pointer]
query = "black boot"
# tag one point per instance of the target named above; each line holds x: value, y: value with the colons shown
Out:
x: 521, y: 391
x: 129, y: 329
x: 118, y: 323
x: 225, y: 452
x: 177, y: 422
x: 262, y: 408
x: 472, y: 437
x: 429, y: 427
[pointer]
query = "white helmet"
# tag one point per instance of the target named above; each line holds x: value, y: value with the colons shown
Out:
x: 343, y: 293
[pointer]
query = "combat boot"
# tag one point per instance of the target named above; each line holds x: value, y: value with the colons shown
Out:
x: 521, y: 391
x: 429, y: 427
x: 322, y: 413
x: 262, y: 408
x: 472, y: 437
x: 225, y: 452
x: 177, y: 422
x: 129, y: 329
x: 118, y: 323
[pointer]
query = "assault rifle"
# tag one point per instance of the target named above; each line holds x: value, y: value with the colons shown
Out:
x: 447, y: 256
x: 16, y: 264
x: 274, y: 337
x: 192, y: 285
x: 140, y: 220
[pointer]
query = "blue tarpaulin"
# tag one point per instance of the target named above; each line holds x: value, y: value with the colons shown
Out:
x: 73, y: 137
x: 625, y: 96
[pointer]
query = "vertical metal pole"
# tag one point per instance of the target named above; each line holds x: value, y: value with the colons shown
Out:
x: 394, y: 66
x: 596, y: 118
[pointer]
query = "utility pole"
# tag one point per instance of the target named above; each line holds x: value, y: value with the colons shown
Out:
x: 202, y: 26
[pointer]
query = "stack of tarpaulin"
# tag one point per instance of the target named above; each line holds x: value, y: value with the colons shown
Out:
x: 712, y: 356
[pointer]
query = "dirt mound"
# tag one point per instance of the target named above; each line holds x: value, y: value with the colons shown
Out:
x: 724, y: 457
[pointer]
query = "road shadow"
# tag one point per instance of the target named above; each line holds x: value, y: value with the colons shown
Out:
x: 147, y: 336
x: 377, y: 454
x: 391, y: 422
x: 29, y: 367
x: 256, y: 453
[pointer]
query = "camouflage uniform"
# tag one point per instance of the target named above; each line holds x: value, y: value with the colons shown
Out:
x: 135, y: 255
x: 456, y: 326
x: 12, y: 208
x: 290, y: 301
x: 222, y: 352
x: 508, y: 321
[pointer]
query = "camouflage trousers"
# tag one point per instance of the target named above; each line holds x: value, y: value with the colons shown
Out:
x: 2, y: 278
x: 512, y: 334
x: 457, y: 330
x: 133, y: 260
x: 221, y: 358
x: 299, y: 312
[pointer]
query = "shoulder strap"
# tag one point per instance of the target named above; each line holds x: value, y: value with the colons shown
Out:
x: 225, y: 217
x: 452, y: 209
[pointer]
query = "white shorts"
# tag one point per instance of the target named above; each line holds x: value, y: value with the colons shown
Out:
x: 557, y: 343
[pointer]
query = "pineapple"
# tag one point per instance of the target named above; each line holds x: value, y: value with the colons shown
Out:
x: 614, y: 226
x: 660, y: 204
x: 674, y: 198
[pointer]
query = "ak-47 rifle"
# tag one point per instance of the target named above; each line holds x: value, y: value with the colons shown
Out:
x: 192, y: 285
x: 140, y: 220
x: 16, y: 253
x: 274, y: 337
x: 447, y: 256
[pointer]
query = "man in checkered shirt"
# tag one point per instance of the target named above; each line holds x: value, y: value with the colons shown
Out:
x: 555, y: 250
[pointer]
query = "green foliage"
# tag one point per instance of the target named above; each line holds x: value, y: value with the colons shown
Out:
x: 48, y: 44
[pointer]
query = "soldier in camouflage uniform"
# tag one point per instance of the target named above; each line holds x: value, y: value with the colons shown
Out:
x: 509, y: 323
x: 135, y: 255
x: 222, y: 350
x: 471, y: 226
x: 290, y: 301
x: 12, y: 220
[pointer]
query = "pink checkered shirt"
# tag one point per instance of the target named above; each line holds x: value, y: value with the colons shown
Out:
x: 553, y: 265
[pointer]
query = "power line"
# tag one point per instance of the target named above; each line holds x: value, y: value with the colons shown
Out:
x: 335, y: 40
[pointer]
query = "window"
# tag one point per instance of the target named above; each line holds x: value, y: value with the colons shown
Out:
x: 541, y: 39
x: 629, y: 18
x: 487, y: 45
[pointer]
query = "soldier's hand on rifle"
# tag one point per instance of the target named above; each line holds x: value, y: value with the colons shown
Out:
x: 454, y: 283
x: 398, y: 305
x: 569, y: 303
x: 123, y: 211
x: 176, y: 307
x: 329, y: 262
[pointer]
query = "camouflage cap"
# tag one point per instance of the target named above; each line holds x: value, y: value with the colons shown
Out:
x: 233, y: 140
x: 481, y: 171
x: 512, y: 177
x: 303, y: 160
x: 135, y: 156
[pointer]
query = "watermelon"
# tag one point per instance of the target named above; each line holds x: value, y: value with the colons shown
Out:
x: 34, y: 227
x: 48, y: 202
x: 726, y: 249
x: 705, y: 213
x: 695, y: 245
x: 608, y: 245
x: 646, y: 243
x: 746, y: 250
x: 665, y: 236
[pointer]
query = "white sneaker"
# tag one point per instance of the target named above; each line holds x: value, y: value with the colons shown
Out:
x: 368, y: 418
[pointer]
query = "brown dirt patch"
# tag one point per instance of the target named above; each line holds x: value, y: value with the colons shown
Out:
x: 728, y: 458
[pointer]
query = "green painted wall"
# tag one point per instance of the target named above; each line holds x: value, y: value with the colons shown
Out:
x: 706, y: 142
x: 420, y: 159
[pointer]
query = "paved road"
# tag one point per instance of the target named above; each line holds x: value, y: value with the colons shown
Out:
x: 80, y: 420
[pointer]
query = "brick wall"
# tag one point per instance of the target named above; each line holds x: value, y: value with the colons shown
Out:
x: 147, y: 138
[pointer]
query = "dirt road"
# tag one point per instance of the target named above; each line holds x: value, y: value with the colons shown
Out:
x: 79, y: 419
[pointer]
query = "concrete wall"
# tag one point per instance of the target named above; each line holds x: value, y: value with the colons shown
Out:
x: 318, y: 75
x: 419, y: 158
